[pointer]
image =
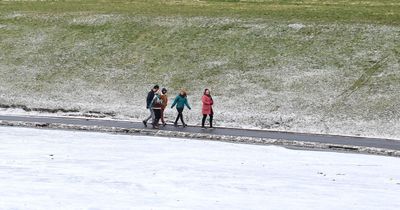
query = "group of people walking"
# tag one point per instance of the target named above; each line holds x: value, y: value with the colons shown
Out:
x: 157, y: 102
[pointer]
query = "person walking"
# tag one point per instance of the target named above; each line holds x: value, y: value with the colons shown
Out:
x: 164, y: 98
x: 207, y: 108
x: 180, y: 102
x: 156, y: 105
x: 150, y: 97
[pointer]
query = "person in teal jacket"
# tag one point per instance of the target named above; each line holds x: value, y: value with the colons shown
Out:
x: 180, y: 102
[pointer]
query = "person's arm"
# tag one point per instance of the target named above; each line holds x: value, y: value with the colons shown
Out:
x: 187, y: 104
x: 152, y: 102
x: 173, y: 104
x: 149, y: 99
x: 206, y: 100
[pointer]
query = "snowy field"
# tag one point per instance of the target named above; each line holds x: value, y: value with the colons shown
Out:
x: 47, y: 169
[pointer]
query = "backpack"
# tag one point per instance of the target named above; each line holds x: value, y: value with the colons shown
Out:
x: 157, y: 102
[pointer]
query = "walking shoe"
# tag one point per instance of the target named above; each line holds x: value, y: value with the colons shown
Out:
x: 164, y: 124
x: 184, y: 125
x: 145, y: 123
x: 176, y: 124
x: 211, y: 127
x: 203, y: 128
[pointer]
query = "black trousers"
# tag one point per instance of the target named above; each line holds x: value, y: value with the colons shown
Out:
x: 204, y: 120
x: 157, y: 116
x: 180, y: 116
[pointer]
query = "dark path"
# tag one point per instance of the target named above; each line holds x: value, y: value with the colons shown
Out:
x: 329, y: 139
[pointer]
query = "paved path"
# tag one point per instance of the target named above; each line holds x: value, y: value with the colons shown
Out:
x: 328, y: 139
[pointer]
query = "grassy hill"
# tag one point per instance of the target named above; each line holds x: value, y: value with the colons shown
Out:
x: 321, y: 66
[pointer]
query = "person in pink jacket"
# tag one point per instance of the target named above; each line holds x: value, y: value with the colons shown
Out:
x: 207, y: 108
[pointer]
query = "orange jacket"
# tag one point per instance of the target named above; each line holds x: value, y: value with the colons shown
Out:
x: 164, y: 99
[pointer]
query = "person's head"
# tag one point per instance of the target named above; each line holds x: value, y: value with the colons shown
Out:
x: 164, y: 91
x: 183, y: 93
x: 156, y: 88
x: 207, y: 92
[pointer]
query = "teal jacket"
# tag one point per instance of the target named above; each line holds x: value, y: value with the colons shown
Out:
x: 180, y: 102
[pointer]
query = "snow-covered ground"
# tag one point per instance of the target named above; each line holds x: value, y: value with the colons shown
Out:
x: 47, y: 169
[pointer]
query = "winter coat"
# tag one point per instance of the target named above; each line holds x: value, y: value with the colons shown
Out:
x: 156, y: 103
x: 180, y: 102
x: 207, y: 105
x: 164, y: 99
x: 150, y: 97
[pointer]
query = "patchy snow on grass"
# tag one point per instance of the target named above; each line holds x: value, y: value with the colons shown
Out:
x: 13, y: 15
x: 94, y: 19
x: 325, y: 78
x: 296, y: 26
x: 48, y: 169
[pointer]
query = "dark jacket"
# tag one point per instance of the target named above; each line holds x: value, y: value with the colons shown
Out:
x: 150, y: 97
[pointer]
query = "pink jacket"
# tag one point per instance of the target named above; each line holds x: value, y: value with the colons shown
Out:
x: 207, y: 105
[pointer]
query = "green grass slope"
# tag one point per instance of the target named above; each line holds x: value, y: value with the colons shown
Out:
x: 320, y: 66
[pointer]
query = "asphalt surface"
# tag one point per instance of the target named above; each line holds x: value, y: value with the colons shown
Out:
x: 291, y: 136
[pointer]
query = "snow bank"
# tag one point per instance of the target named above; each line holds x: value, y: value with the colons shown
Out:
x: 43, y: 169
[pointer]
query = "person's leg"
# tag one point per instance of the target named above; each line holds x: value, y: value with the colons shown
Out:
x: 153, y: 116
x: 149, y: 117
x: 162, y: 117
x: 153, y: 119
x: 183, y: 121
x: 203, y: 121
x: 211, y: 120
x: 157, y: 116
x: 180, y: 116
x: 177, y: 117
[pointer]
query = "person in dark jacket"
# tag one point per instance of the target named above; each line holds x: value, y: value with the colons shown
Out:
x: 150, y: 97
x: 180, y: 102
x: 207, y: 108
x: 156, y: 105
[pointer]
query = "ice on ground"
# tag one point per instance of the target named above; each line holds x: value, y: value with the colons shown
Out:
x: 48, y: 169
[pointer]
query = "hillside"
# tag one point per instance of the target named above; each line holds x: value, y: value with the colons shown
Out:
x: 314, y: 66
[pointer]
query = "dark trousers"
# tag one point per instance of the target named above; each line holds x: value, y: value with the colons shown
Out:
x: 204, y: 120
x: 162, y: 116
x: 157, y: 116
x: 180, y: 116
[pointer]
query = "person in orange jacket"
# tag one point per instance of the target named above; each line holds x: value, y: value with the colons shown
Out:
x: 207, y: 108
x: 164, y: 98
